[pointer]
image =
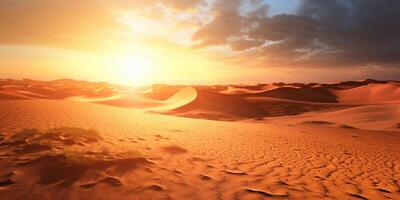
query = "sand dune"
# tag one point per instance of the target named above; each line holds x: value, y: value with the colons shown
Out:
x: 127, y: 101
x: 234, y: 102
x: 238, y: 91
x: 102, y: 93
x: 59, y: 89
x: 243, y: 102
x: 352, y: 84
x: 257, y: 89
x: 80, y: 140
x: 253, y: 102
x: 302, y: 94
x: 372, y: 117
x: 211, y: 105
x: 116, y: 153
x: 138, y: 101
x: 370, y: 94
x: 13, y: 95
x: 185, y: 96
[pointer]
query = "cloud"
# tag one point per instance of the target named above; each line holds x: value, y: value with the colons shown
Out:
x: 226, y: 23
x: 361, y: 31
x: 240, y: 45
x: 320, y: 33
x: 334, y: 33
x: 87, y: 25
x: 181, y: 4
x: 175, y: 4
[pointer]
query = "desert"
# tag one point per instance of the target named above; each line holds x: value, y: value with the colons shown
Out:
x: 198, y: 143
x: 199, y: 99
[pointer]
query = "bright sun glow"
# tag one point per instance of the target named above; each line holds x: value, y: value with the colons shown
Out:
x: 135, y: 70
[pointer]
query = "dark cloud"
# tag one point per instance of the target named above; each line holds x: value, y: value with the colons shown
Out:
x: 284, y: 26
x: 364, y: 31
x: 227, y: 23
x: 320, y: 33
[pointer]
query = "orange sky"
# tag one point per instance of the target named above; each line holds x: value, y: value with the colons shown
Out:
x: 162, y: 41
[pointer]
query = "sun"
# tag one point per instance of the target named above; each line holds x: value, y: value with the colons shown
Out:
x: 135, y: 70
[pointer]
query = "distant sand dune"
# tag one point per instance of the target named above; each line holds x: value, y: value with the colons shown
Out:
x: 318, y: 94
x: 181, y: 98
x: 370, y: 94
x: 238, y: 91
x: 10, y: 95
x: 185, y: 96
x: 228, y: 103
x: 371, y: 117
x: 242, y: 90
x: 127, y: 101
x: 211, y: 105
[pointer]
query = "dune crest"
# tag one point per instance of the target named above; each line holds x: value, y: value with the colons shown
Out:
x: 370, y: 117
x: 238, y: 91
x: 373, y: 93
x: 141, y: 101
x: 128, y: 101
x: 183, y: 97
x: 221, y: 102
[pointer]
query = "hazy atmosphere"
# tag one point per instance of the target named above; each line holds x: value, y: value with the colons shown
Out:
x: 200, y: 41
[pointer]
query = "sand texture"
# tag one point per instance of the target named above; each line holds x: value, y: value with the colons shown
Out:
x: 198, y: 143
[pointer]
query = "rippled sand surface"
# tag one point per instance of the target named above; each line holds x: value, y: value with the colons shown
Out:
x: 78, y: 150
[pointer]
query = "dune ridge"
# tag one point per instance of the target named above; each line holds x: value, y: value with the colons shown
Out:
x: 227, y: 103
x: 373, y: 93
x: 384, y: 117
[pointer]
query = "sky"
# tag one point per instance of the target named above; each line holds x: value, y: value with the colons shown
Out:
x: 138, y: 42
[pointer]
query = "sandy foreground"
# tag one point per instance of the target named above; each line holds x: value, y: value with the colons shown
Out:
x: 80, y: 150
x: 68, y: 139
